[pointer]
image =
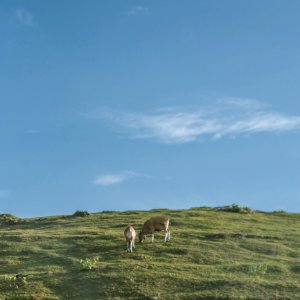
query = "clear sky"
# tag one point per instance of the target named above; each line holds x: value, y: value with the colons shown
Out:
x: 116, y: 105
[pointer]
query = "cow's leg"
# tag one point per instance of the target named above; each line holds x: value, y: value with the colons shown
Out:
x: 166, y: 235
x: 131, y: 242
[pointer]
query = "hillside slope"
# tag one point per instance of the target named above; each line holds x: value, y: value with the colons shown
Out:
x: 212, y: 255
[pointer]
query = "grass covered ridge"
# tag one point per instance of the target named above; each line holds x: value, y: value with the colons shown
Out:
x: 213, y: 254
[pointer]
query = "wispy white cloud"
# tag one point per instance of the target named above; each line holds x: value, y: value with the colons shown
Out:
x: 115, y: 178
x: 138, y: 10
x: 230, y: 117
x: 24, y: 17
x: 4, y: 193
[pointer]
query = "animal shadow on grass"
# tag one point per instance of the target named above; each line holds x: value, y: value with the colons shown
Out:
x: 172, y: 251
x: 80, y: 248
x: 295, y: 269
x: 218, y: 236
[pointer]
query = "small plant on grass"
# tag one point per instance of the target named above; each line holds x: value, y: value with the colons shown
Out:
x: 81, y: 213
x: 256, y: 269
x: 87, y: 264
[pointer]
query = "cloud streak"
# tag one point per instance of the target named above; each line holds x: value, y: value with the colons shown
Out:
x: 230, y: 118
x: 139, y: 10
x: 24, y: 17
x: 116, y: 178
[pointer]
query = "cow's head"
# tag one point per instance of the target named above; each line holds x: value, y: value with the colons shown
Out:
x: 142, y: 237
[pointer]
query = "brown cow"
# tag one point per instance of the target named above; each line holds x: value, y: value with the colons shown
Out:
x: 155, y: 224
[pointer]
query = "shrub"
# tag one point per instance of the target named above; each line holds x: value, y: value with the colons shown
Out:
x: 88, y: 263
x: 279, y: 212
x: 81, y: 213
x: 8, y: 219
x: 13, y: 282
x: 235, y: 208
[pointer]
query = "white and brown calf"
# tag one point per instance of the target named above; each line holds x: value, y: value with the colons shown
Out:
x: 130, y: 235
x: 155, y: 224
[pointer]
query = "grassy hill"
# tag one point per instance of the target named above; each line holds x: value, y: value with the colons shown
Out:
x: 213, y: 254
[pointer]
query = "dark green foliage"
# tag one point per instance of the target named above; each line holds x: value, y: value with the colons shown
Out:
x: 81, y: 213
x: 296, y: 268
x: 279, y: 212
x: 8, y: 219
x: 235, y: 208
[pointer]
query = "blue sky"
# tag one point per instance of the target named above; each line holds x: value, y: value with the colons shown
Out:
x: 116, y: 105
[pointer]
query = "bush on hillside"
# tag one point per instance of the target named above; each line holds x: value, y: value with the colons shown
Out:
x: 81, y: 213
x: 279, y: 212
x: 235, y: 208
x: 8, y: 219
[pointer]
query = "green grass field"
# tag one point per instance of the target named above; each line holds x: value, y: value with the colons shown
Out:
x: 213, y: 254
